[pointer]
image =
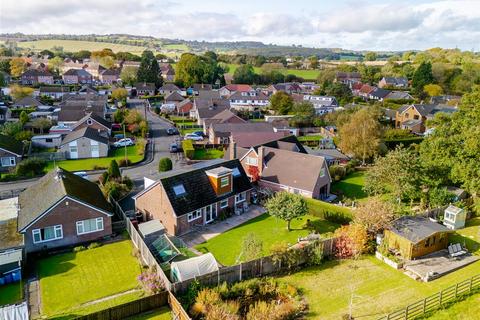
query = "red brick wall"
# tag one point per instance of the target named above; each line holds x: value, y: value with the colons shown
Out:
x: 67, y: 213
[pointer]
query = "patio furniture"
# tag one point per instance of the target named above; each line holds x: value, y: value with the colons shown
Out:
x: 455, y: 250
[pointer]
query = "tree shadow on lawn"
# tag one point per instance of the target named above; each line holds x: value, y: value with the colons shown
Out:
x: 55, y: 265
x: 350, y: 190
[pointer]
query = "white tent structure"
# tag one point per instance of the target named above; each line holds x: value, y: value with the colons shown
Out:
x: 193, y: 267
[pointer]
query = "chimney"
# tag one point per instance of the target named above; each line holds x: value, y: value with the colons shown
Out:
x: 233, y: 149
x: 260, y: 152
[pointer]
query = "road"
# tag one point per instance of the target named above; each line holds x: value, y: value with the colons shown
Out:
x: 159, y: 138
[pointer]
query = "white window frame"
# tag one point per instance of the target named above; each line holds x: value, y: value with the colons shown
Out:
x: 252, y: 161
x: 222, y: 182
x: 98, y: 221
x: 11, y: 162
x: 243, y: 195
x: 194, y: 215
x: 322, y: 172
x: 56, y: 228
x: 224, y: 204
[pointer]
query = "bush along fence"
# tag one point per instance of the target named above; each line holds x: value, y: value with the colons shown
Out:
x: 434, y: 302
x: 277, y: 263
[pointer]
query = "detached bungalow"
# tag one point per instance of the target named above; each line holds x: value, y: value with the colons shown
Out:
x: 85, y: 143
x: 187, y: 197
x: 11, y: 152
x: 62, y: 209
x: 145, y: 89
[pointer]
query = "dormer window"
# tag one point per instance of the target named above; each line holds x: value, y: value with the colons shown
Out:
x: 224, y: 182
x: 179, y: 190
x: 89, y: 122
x: 221, y: 179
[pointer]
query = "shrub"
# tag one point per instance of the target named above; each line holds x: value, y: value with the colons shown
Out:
x: 151, y: 282
x: 336, y: 217
x: 337, y: 172
x: 93, y: 245
x: 351, y: 241
x: 165, y: 164
x: 31, y: 167
x: 124, y: 163
x: 188, y: 148
x: 97, y: 167
x: 79, y: 248
x: 113, y: 170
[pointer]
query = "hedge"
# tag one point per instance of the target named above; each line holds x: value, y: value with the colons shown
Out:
x: 393, y: 143
x: 188, y: 148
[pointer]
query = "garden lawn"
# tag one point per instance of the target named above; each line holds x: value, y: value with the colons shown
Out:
x: 227, y: 246
x: 185, y: 131
x: 118, y: 154
x: 317, y: 208
x: 207, y: 154
x: 163, y: 313
x: 69, y: 280
x: 462, y: 310
x: 378, y: 288
x: 11, y: 293
x: 351, y: 186
x: 469, y: 236
x: 310, y: 138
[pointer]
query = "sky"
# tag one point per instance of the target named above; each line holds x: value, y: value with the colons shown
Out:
x: 356, y: 25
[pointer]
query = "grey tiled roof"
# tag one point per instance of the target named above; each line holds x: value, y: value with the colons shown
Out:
x: 86, y: 132
x: 416, y: 228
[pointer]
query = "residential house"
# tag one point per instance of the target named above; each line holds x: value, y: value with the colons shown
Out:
x: 393, y: 82
x: 378, y: 94
x: 77, y: 76
x: 332, y: 156
x: 229, y: 89
x: 62, y: 209
x: 169, y: 88
x: 356, y: 87
x: 94, y: 68
x: 413, y: 117
x: 127, y: 63
x: 288, y: 87
x: 53, y: 92
x: 76, y: 106
x: 93, y: 121
x: 399, y: 95
x: 248, y: 100
x: 52, y: 140
x: 322, y: 104
x: 450, y: 100
x: 207, y: 109
x: 145, y: 89
x: 365, y: 91
x: 286, y: 167
x: 11, y: 242
x: 226, y: 116
x: 174, y: 97
x: 308, y: 87
x: 34, y: 76
x: 246, y: 140
x: 348, y: 77
x: 219, y: 133
x: 110, y: 76
x: 415, y: 236
x: 27, y: 102
x: 197, y: 87
x: 85, y: 143
x: 184, y: 107
x: 184, y: 198
x: 240, y: 143
x: 70, y: 64
x: 11, y: 152
x: 168, y: 72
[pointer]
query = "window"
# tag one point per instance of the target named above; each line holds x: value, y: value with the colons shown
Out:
x: 73, y: 149
x: 179, y: 190
x: 48, y: 140
x: 322, y: 172
x: 90, y: 225
x: 416, y: 117
x: 252, y: 161
x: 8, y: 162
x: 236, y: 172
x: 194, y: 215
x: 224, y: 182
x: 240, y: 197
x: 89, y: 122
x: 407, y: 115
x: 47, y: 234
x: 224, y: 204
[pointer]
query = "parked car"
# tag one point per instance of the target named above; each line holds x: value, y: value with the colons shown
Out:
x: 172, y: 131
x: 194, y: 137
x: 123, y: 142
x: 199, y: 133
x: 175, y: 147
x: 82, y: 174
x: 116, y: 126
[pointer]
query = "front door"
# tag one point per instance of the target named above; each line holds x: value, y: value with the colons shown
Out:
x: 210, y: 213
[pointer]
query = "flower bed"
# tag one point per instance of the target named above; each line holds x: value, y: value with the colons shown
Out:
x: 388, y: 261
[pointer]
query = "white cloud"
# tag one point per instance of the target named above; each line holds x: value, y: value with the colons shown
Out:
x: 359, y: 25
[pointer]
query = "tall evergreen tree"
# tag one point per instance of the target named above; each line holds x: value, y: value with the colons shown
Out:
x: 422, y: 76
x: 149, y: 70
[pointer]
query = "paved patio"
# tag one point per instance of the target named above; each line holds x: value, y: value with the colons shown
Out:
x: 211, y: 230
x: 437, y: 264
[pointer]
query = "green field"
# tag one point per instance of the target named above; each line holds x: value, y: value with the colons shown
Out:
x: 77, y: 45
x: 226, y: 247
x: 68, y: 281
x: 11, y: 293
x: 178, y: 47
x: 352, y: 186
x: 90, y: 164
x: 377, y: 288
x: 305, y: 74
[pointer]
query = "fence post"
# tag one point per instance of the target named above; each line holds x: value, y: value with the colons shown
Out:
x: 406, y: 312
x: 456, y: 290
x: 240, y: 272
x: 424, y: 305
x: 471, y: 284
x: 440, y: 295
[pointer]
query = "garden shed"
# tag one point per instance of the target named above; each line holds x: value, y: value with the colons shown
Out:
x: 193, y: 267
x: 416, y: 236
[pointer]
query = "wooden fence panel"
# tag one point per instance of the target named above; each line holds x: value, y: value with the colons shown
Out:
x: 178, y: 312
